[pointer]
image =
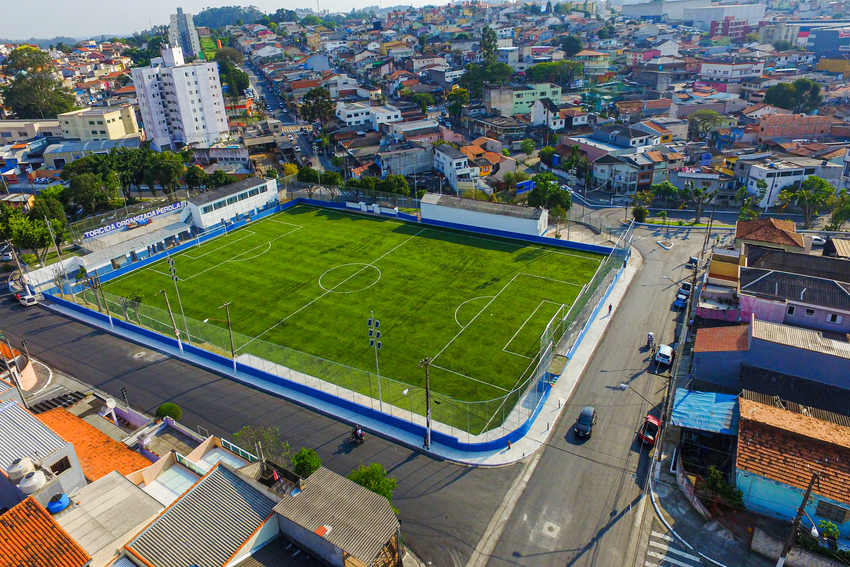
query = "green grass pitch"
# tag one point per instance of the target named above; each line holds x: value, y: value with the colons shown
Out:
x: 307, y: 279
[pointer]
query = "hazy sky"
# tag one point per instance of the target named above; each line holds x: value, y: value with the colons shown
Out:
x: 50, y: 18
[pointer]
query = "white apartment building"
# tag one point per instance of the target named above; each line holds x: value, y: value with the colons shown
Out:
x: 353, y: 114
x: 384, y: 115
x: 780, y: 174
x: 730, y: 68
x: 454, y: 164
x: 182, y: 33
x: 180, y: 105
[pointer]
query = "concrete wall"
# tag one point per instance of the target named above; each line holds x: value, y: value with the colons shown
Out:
x: 770, y: 546
x: 532, y: 227
x: 799, y: 362
x: 314, y: 543
x: 722, y: 368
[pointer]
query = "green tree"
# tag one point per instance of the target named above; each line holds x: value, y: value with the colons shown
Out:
x: 195, y: 177
x: 256, y: 438
x: 840, y: 211
x: 527, y: 146
x: 305, y: 462
x: 665, y: 190
x: 220, y: 178
x: 488, y: 46
x: 396, y: 184
x: 317, y: 105
x: 270, y: 173
x: 559, y: 216
x: 33, y: 90
x: 545, y: 154
x: 455, y: 101
x: 229, y: 54
x: 167, y: 169
x: 89, y: 191
x: 703, y: 122
x: 462, y: 36
x: 289, y: 169
x: 571, y: 45
x: 169, y: 410
x: 26, y: 233
x: 424, y: 100
x: 375, y: 478
x: 547, y: 193
x: 559, y: 72
x: 748, y: 211
x: 751, y: 37
x: 801, y: 96
x: 812, y: 195
x: 499, y: 73
x: 311, y: 20
x: 782, y: 45
x: 699, y: 197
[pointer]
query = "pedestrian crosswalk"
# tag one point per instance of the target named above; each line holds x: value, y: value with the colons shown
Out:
x: 665, y: 551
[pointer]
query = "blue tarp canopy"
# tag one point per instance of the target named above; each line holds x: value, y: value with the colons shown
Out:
x: 706, y: 411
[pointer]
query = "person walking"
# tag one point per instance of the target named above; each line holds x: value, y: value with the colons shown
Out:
x: 609, y: 309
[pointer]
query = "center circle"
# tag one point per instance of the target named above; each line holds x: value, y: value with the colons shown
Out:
x: 349, y: 278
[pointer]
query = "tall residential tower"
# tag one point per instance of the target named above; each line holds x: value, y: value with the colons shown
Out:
x: 181, y: 33
x: 180, y: 104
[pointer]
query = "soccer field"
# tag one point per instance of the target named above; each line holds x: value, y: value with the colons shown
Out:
x: 307, y: 279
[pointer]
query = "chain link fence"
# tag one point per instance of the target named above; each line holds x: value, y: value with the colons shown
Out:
x: 469, y: 421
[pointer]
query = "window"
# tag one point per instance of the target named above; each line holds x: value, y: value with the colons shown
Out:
x: 810, y: 171
x: 218, y: 205
x: 207, y: 209
x: 60, y: 466
x: 243, y: 196
x: 810, y: 312
x: 790, y: 311
x: 232, y: 200
x: 264, y: 189
x: 253, y: 192
x: 832, y: 512
x: 833, y: 318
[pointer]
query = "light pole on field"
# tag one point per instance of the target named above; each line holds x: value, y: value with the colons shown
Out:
x: 375, y: 342
x: 173, y: 323
x: 226, y: 307
x: 174, y: 277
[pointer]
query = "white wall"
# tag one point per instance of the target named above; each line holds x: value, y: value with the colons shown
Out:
x: 267, y: 532
x: 533, y: 227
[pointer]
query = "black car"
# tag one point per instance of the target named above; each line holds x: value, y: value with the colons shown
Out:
x: 586, y: 420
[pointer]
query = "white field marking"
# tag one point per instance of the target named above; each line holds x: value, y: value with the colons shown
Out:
x: 648, y: 564
x: 471, y: 378
x: 237, y: 257
x: 672, y: 550
x: 302, y: 308
x: 505, y: 348
x: 505, y: 399
x: 507, y: 241
x: 476, y: 317
x: 350, y: 264
x: 464, y: 303
x: 665, y: 537
x: 669, y: 560
x: 550, y: 279
x: 248, y: 234
x: 269, y: 244
x: 49, y: 377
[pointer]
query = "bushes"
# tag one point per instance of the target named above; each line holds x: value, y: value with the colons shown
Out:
x: 305, y: 462
x: 169, y: 410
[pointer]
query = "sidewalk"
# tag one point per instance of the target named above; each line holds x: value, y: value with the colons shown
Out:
x: 708, y: 538
x: 533, y: 440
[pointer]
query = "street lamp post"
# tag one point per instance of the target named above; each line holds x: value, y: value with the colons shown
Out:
x: 795, y: 525
x: 173, y: 322
x: 624, y: 386
x: 226, y: 307
x: 59, y: 256
x: 375, y: 342
x: 174, y: 277
x: 425, y: 363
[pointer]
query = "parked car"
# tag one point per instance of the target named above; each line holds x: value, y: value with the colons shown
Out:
x: 649, y: 430
x: 693, y: 262
x: 585, y: 422
x: 27, y: 300
x: 664, y: 355
x: 818, y: 240
x: 681, y: 300
x: 6, y: 257
x: 685, y: 288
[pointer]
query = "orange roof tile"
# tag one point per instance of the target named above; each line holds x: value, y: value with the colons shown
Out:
x: 769, y: 231
x: 30, y: 536
x: 788, y: 447
x: 722, y: 339
x: 99, y: 454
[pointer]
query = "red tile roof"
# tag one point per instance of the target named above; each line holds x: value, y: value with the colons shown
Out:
x: 99, y: 454
x: 788, y: 447
x: 769, y: 231
x: 722, y: 339
x: 30, y: 537
x: 659, y: 103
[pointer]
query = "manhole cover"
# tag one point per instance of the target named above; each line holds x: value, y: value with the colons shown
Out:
x: 551, y: 529
x: 139, y: 354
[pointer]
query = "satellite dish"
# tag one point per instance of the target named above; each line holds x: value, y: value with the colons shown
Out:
x: 110, y: 403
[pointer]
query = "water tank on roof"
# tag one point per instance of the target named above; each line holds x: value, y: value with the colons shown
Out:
x: 32, y: 482
x: 20, y: 468
x: 58, y: 503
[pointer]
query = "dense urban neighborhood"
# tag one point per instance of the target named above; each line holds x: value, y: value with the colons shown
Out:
x: 479, y: 284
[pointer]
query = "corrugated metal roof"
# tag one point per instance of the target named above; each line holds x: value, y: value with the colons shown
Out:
x: 281, y: 553
x: 795, y: 287
x: 23, y: 435
x: 706, y: 411
x: 805, y: 264
x: 360, y: 522
x: 842, y: 247
x: 205, y: 526
x: 795, y: 390
x: 799, y: 338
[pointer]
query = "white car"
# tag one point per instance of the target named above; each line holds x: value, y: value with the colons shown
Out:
x: 664, y: 355
x: 818, y: 240
x: 27, y: 300
x: 7, y: 257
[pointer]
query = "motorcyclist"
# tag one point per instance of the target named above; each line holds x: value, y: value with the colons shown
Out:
x: 650, y: 339
x: 358, y: 433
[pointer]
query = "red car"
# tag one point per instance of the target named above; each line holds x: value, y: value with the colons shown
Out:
x: 649, y: 430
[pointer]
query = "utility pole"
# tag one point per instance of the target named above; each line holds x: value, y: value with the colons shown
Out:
x: 103, y: 295
x: 425, y: 363
x: 15, y: 377
x: 173, y: 323
x: 173, y: 271
x: 59, y: 255
x: 226, y: 307
x: 789, y: 543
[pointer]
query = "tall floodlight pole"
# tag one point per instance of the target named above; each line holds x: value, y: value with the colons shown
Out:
x: 174, y: 277
x: 226, y: 307
x: 173, y: 322
x: 59, y: 255
x: 425, y: 363
x: 375, y: 342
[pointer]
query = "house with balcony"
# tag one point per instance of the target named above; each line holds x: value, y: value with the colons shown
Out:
x: 544, y: 112
x: 507, y: 100
x: 708, y: 179
x: 454, y: 165
x: 596, y: 64
x: 780, y: 173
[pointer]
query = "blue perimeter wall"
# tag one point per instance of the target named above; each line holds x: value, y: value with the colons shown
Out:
x: 225, y: 364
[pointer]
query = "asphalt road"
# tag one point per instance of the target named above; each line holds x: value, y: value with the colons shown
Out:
x: 579, y: 505
x: 444, y: 508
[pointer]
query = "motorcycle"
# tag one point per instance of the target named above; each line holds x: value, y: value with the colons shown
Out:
x: 357, y: 439
x: 650, y: 340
